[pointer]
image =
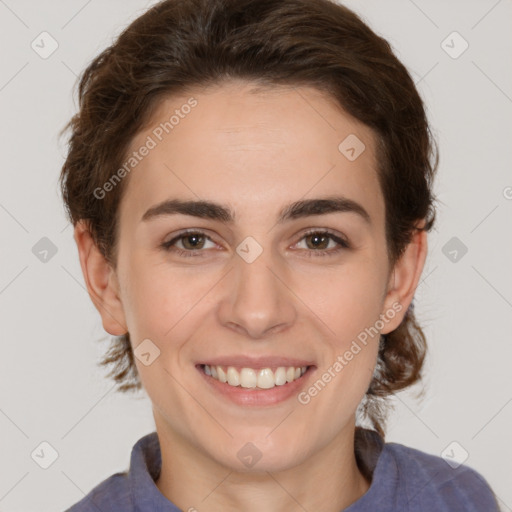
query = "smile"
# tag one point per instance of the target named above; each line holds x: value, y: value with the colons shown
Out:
x: 250, y: 378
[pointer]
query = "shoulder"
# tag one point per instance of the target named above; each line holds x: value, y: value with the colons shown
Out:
x: 112, y: 494
x: 428, y: 482
x: 120, y: 492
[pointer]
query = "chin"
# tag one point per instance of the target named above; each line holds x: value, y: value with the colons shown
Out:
x: 256, y: 454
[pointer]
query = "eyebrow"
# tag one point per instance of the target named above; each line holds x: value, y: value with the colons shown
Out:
x: 214, y: 211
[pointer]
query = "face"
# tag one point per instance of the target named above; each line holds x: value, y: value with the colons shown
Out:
x: 249, y: 282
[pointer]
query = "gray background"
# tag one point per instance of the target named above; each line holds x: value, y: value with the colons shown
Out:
x: 51, y: 335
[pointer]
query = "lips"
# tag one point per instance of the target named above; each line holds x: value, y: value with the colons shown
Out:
x: 266, y: 393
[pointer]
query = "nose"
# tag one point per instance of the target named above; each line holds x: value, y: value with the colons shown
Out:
x: 257, y: 299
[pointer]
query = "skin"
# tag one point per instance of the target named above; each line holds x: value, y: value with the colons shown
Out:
x: 256, y: 152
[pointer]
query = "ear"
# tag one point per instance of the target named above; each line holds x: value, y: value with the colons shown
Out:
x: 404, y: 280
x: 101, y: 281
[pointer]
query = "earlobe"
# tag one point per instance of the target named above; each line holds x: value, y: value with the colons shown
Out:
x: 404, y: 279
x: 101, y: 281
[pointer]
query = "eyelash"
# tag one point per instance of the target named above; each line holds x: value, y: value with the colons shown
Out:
x: 342, y: 244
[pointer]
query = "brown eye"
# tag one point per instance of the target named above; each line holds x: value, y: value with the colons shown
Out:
x: 317, y: 243
x: 192, y: 243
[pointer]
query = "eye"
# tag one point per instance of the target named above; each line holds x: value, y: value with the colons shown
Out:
x: 191, y: 241
x: 318, y: 242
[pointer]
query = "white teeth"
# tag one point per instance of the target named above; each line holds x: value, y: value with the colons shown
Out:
x: 264, y: 378
x: 280, y: 376
x: 233, y: 377
x: 221, y: 374
x: 248, y: 378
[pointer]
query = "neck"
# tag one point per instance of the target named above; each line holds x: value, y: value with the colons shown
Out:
x: 328, y: 481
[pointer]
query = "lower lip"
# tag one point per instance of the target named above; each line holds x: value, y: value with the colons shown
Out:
x: 256, y: 396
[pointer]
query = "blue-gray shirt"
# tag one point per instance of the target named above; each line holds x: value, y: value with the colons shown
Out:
x: 402, y: 479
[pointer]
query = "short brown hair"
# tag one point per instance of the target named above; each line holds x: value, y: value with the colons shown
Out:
x: 181, y: 44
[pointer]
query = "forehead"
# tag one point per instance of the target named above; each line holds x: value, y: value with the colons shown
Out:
x: 252, y: 149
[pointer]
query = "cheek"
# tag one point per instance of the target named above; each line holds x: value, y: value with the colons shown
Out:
x: 349, y: 303
x: 157, y: 296
x: 347, y: 300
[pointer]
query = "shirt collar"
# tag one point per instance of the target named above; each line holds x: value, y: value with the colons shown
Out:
x: 145, y: 466
x: 377, y: 463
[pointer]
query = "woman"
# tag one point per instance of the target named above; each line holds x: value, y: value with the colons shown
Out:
x: 250, y: 183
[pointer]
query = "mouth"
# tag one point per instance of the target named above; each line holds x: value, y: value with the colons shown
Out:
x: 256, y: 385
x: 254, y: 378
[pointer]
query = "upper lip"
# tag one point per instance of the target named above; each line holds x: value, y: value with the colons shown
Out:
x: 257, y: 362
